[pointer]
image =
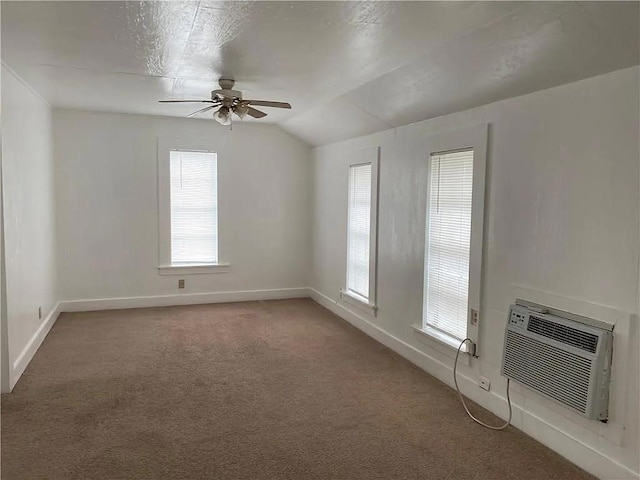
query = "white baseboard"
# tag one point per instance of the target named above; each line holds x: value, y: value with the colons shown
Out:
x: 183, y: 299
x: 25, y: 357
x: 546, y: 433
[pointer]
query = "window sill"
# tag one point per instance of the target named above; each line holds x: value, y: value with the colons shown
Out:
x: 194, y: 269
x: 358, y: 302
x: 442, y: 342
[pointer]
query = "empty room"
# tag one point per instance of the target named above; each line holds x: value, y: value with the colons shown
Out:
x: 326, y: 240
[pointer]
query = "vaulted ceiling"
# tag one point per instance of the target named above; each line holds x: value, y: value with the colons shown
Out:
x: 348, y: 68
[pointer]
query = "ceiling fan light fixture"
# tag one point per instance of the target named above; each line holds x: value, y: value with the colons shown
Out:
x: 241, y: 111
x: 223, y: 116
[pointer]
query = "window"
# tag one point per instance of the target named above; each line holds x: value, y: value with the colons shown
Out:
x: 194, y: 207
x: 188, y: 210
x: 448, y: 242
x: 453, y: 236
x: 361, y: 230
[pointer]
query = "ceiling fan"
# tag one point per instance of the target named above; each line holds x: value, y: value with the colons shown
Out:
x: 230, y: 101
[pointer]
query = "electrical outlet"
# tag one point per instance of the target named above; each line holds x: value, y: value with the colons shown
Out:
x: 39, y: 312
x: 474, y: 317
x: 485, y: 383
x: 181, y: 283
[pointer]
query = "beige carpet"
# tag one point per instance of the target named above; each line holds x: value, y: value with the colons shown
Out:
x: 261, y: 390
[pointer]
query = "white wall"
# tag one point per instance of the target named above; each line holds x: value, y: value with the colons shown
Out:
x: 29, y: 219
x: 561, y: 217
x: 107, y: 202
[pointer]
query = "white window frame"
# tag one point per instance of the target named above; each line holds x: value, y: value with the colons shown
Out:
x: 469, y: 138
x: 165, y: 267
x: 365, y: 156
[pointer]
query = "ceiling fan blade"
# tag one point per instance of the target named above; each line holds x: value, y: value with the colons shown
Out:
x: 255, y: 113
x: 205, y: 109
x: 187, y: 101
x: 266, y: 103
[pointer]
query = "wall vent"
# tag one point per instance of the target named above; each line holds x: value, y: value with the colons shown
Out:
x: 563, y: 334
x: 560, y: 358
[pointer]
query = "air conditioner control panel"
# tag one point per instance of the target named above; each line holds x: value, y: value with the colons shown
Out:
x: 518, y: 317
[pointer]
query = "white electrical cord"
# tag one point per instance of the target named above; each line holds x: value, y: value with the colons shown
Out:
x: 455, y: 380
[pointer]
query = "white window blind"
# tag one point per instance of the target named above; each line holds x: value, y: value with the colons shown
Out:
x: 194, y: 207
x: 448, y: 242
x: 359, y: 230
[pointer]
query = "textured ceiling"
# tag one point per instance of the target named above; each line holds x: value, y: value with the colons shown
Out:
x: 348, y: 68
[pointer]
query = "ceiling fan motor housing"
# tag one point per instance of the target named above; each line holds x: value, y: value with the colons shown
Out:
x: 226, y: 90
x: 216, y: 94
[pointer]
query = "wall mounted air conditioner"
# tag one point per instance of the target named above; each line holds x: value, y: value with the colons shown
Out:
x: 564, y: 357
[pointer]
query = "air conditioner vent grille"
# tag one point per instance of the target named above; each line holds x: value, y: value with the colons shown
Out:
x: 562, y: 333
x: 559, y: 374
